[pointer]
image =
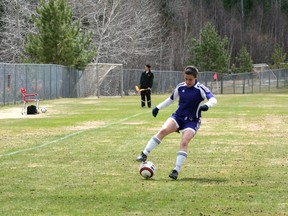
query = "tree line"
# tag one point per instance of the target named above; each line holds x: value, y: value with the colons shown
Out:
x: 215, y: 35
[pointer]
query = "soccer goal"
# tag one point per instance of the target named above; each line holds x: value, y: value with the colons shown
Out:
x: 102, y: 79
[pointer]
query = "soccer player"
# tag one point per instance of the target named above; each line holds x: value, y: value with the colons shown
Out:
x: 187, y: 117
x: 146, y: 82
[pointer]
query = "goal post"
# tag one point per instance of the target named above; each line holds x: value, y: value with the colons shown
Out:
x: 102, y: 79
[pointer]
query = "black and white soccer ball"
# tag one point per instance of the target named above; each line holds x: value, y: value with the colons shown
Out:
x: 147, y: 169
x: 43, y: 109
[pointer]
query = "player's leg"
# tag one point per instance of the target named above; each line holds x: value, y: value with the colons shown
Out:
x: 187, y: 135
x: 190, y: 128
x: 142, y: 98
x: 148, y: 95
x: 169, y: 126
x: 182, y: 153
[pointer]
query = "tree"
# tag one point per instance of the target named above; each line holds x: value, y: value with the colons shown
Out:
x: 244, y: 61
x: 278, y: 57
x: 126, y: 32
x: 158, y: 32
x: 1, y: 14
x: 209, y: 52
x: 59, y: 40
x: 15, y: 21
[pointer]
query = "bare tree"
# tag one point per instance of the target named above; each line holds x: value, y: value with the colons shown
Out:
x: 125, y: 32
x: 137, y: 32
x: 184, y: 23
x: 17, y: 22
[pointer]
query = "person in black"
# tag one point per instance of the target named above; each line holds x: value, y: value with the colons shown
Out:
x: 146, y: 82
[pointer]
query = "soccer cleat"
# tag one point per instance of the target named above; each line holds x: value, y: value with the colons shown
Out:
x: 173, y: 174
x: 141, y: 158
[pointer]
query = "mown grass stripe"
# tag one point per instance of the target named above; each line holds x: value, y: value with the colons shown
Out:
x: 67, y: 136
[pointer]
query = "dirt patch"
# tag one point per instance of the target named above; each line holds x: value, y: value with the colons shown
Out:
x: 133, y: 123
x: 86, y: 125
x: 16, y: 113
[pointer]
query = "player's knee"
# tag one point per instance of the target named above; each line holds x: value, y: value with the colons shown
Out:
x: 163, y: 132
x: 184, y: 144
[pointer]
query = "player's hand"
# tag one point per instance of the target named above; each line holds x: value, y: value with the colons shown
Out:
x: 204, y: 108
x: 155, y: 112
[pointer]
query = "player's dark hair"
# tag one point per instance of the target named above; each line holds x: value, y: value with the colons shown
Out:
x: 148, y: 66
x: 191, y: 70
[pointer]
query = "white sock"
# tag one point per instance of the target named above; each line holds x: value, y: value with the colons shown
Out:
x: 181, y: 156
x: 153, y: 142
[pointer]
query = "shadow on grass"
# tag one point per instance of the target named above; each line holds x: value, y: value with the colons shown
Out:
x: 204, y: 180
x: 199, y: 180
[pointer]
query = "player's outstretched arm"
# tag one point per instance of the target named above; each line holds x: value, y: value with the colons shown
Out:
x: 165, y: 103
x: 212, y: 101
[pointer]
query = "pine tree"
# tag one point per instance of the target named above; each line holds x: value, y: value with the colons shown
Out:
x: 209, y: 52
x: 244, y: 61
x: 59, y: 40
x: 278, y: 57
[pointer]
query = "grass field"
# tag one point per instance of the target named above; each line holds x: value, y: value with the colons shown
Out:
x: 79, y: 159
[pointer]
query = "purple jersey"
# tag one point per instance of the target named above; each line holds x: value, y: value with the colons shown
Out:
x: 190, y: 99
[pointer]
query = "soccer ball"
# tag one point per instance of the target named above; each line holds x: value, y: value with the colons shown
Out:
x: 147, y: 169
x: 43, y: 109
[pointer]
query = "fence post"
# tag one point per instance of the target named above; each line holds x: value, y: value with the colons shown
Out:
x: 260, y: 77
x: 221, y: 80
x: 252, y: 83
x: 277, y: 80
x: 269, y: 77
x: 243, y: 88
x: 26, y: 77
x: 56, y: 81
x: 121, y: 81
x: 15, y: 85
x: 98, y: 81
x: 36, y: 82
x: 4, y: 85
x: 285, y: 79
x: 50, y: 84
x: 234, y: 77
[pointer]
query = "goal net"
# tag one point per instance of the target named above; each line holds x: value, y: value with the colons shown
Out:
x: 102, y: 79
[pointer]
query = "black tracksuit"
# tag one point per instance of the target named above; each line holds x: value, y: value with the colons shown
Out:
x: 146, y: 81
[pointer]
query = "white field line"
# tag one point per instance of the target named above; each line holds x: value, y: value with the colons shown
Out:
x: 67, y: 136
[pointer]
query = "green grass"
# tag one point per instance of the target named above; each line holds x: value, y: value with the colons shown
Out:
x: 79, y: 159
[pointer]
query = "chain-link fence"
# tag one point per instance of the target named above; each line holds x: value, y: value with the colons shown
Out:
x: 49, y: 81
x: 244, y: 83
x: 56, y: 81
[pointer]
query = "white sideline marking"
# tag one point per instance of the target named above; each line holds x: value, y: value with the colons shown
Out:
x: 66, y: 136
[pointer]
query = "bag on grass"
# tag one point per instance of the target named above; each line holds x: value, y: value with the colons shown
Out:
x: 32, y: 109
